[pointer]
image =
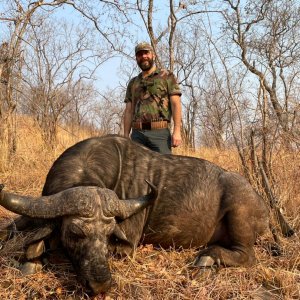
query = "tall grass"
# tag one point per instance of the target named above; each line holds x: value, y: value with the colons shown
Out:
x: 150, y: 273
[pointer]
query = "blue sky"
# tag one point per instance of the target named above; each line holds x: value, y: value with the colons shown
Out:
x: 108, y: 72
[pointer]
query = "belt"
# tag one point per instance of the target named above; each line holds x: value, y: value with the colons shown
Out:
x: 150, y: 125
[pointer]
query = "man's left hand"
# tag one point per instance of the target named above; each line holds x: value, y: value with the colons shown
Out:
x: 176, y: 140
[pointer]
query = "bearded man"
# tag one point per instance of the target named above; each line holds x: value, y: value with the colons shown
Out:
x: 152, y: 100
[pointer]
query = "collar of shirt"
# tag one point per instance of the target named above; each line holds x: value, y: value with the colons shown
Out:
x: 156, y: 71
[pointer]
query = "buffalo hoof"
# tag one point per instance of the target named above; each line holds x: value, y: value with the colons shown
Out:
x: 206, y: 261
x: 30, y: 268
x: 35, y: 250
x: 203, y: 267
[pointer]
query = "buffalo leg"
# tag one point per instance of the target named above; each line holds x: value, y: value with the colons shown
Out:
x: 217, y: 255
x: 241, y: 234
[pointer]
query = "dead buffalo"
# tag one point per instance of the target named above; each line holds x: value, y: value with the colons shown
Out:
x: 197, y: 204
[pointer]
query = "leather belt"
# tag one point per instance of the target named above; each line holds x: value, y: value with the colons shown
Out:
x: 150, y: 125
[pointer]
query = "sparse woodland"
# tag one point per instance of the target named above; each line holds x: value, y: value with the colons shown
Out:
x: 238, y: 66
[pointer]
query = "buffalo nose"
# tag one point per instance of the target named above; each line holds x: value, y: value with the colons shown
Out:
x: 100, y: 287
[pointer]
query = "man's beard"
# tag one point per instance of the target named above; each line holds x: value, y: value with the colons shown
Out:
x: 146, y: 64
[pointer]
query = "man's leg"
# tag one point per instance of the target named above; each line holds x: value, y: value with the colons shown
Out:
x: 139, y: 137
x: 157, y: 140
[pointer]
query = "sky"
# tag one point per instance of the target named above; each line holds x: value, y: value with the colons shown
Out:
x: 108, y: 73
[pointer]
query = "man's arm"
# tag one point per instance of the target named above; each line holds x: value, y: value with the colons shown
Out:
x: 127, y: 119
x: 176, y: 115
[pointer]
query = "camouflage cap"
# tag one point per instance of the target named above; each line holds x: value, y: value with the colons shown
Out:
x: 143, y: 46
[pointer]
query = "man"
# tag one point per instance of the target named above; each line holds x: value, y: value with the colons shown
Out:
x: 152, y: 99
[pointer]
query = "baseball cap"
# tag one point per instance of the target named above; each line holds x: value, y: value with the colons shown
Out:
x: 143, y: 46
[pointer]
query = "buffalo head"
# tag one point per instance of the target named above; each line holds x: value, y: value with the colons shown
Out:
x: 89, y: 218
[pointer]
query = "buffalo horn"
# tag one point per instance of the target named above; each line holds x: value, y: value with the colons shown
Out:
x: 126, y: 208
x: 75, y: 201
x: 46, y: 207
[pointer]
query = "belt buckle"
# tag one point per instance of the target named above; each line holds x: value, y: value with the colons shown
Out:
x: 147, y: 126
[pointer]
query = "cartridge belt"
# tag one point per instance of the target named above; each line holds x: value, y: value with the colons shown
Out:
x: 151, y: 125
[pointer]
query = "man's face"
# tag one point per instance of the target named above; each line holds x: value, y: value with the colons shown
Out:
x: 145, y: 59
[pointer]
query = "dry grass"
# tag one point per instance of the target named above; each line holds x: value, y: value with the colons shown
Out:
x: 151, y: 273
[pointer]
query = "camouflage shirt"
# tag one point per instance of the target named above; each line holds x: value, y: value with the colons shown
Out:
x: 150, y: 96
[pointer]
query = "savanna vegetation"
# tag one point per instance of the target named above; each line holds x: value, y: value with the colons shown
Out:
x: 238, y: 65
x: 151, y: 273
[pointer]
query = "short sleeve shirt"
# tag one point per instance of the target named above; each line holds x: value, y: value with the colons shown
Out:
x: 150, y: 96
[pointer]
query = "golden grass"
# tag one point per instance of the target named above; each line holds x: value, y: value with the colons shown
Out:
x: 151, y: 273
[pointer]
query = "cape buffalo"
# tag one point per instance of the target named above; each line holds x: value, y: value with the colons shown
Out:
x: 198, y: 204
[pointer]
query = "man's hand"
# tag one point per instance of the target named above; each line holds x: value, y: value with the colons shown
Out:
x: 176, y: 139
